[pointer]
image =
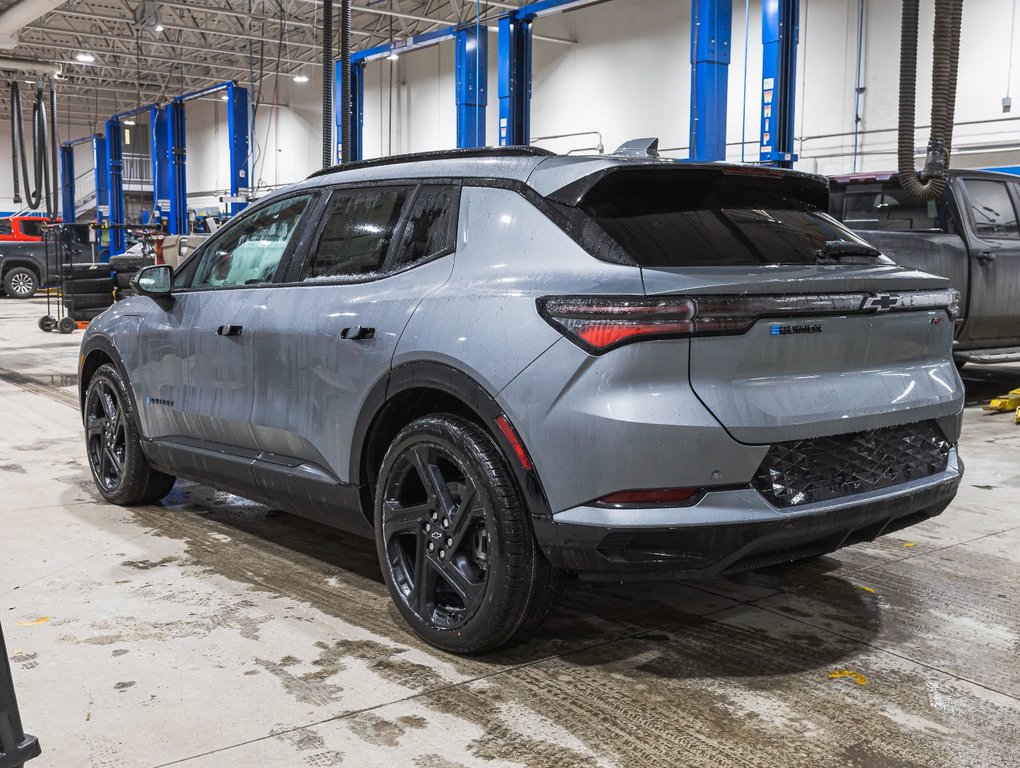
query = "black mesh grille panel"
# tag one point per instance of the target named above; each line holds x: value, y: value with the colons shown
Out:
x: 807, y: 471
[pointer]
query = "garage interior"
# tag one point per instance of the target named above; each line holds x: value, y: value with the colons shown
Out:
x: 210, y: 631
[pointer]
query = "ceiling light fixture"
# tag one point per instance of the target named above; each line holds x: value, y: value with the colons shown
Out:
x: 158, y: 28
x: 300, y: 78
x: 84, y: 57
x: 393, y: 56
x: 129, y: 121
x: 224, y: 97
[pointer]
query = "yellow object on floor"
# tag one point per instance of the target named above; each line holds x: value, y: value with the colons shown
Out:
x: 1018, y: 415
x: 1004, y: 403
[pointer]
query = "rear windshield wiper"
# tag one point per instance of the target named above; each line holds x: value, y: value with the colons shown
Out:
x: 846, y: 252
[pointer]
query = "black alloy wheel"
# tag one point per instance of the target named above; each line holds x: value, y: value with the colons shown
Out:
x: 106, y: 436
x: 455, y: 540
x: 119, y: 467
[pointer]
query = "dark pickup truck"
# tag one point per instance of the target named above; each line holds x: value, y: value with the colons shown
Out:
x: 23, y: 268
x: 969, y: 235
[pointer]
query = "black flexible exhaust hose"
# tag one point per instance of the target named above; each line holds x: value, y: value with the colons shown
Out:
x: 40, y: 148
x: 54, y: 151
x: 345, y: 74
x: 933, y: 178
x: 327, y: 83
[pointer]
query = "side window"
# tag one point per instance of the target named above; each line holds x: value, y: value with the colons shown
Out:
x: 249, y: 252
x: 991, y: 211
x: 429, y: 228
x: 5, y: 227
x: 31, y: 228
x: 357, y: 234
x: 888, y: 207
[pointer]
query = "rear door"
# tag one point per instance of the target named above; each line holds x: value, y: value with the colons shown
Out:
x: 990, y: 207
x: 193, y: 383
x: 329, y: 335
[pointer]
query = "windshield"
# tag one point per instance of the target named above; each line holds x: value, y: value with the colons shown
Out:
x: 673, y: 218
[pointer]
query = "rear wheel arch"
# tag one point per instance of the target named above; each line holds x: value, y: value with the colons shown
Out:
x: 418, y: 389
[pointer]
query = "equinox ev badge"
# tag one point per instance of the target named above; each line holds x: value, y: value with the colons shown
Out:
x: 781, y: 330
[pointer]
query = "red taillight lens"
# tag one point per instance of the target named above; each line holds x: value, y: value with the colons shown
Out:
x: 654, y: 497
x: 599, y: 323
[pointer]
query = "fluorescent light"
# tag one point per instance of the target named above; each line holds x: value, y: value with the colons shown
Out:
x: 84, y: 57
x: 393, y: 56
x: 129, y: 121
x: 224, y: 97
x: 158, y: 28
x: 299, y: 78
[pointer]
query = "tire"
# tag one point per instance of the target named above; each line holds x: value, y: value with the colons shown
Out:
x: 119, y: 468
x: 492, y: 586
x: 66, y: 325
x: 86, y: 285
x: 76, y: 301
x: 959, y: 363
x: 47, y: 323
x: 85, y: 314
x: 123, y: 279
x: 86, y: 271
x: 21, y: 283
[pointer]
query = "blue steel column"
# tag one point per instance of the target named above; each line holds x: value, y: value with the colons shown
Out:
x: 178, y: 171
x: 780, y: 22
x: 161, y: 170
x: 514, y: 80
x: 472, y: 65
x: 115, y: 174
x: 67, y: 182
x: 357, y: 107
x: 237, y: 133
x: 711, y: 25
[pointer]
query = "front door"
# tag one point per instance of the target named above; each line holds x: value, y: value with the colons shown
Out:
x: 993, y: 314
x: 194, y: 380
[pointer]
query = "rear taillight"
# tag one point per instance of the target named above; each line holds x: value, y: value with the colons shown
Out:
x: 600, y: 323
x: 655, y: 497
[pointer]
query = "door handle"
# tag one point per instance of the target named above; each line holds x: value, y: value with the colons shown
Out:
x: 358, y: 333
x: 986, y: 257
x: 229, y: 330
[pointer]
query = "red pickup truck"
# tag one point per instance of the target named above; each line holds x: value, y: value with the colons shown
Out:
x: 22, y: 228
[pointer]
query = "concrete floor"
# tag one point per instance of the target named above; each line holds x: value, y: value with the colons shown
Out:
x: 210, y: 632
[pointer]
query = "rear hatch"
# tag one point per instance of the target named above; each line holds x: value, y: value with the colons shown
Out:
x: 802, y: 329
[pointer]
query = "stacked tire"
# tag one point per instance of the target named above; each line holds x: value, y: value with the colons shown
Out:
x: 87, y: 290
x: 124, y: 268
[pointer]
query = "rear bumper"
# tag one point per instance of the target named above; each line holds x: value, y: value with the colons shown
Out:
x: 732, y: 530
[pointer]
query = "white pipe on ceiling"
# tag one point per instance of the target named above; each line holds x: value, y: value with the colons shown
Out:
x: 26, y: 65
x: 20, y: 15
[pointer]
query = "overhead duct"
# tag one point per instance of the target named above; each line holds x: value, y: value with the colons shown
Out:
x: 31, y: 67
x: 19, y: 16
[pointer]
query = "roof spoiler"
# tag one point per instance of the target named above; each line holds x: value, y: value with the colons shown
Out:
x: 638, y: 148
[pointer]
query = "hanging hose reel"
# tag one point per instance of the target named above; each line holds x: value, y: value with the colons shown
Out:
x: 932, y: 180
x: 42, y: 187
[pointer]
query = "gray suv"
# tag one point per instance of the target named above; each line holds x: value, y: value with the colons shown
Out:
x: 511, y: 367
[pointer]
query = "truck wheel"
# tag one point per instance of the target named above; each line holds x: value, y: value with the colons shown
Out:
x: 119, y: 468
x: 21, y: 283
x: 86, y: 285
x: 455, y: 541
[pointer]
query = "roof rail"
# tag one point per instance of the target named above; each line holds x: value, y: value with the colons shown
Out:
x: 443, y: 154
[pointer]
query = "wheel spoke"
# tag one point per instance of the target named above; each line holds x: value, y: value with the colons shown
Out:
x: 114, y: 460
x: 398, y: 518
x: 432, y: 478
x: 95, y: 426
x: 470, y: 591
x: 425, y: 579
x: 460, y: 522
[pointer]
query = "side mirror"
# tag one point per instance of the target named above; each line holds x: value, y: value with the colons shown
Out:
x: 156, y: 280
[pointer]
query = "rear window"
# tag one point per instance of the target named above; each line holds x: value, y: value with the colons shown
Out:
x: 888, y: 206
x: 31, y: 228
x: 693, y: 219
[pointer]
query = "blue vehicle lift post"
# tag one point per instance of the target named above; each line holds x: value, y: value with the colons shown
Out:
x: 67, y: 182
x: 115, y: 170
x: 514, y: 75
x: 780, y: 24
x: 711, y: 26
x: 237, y: 135
x: 472, y: 65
